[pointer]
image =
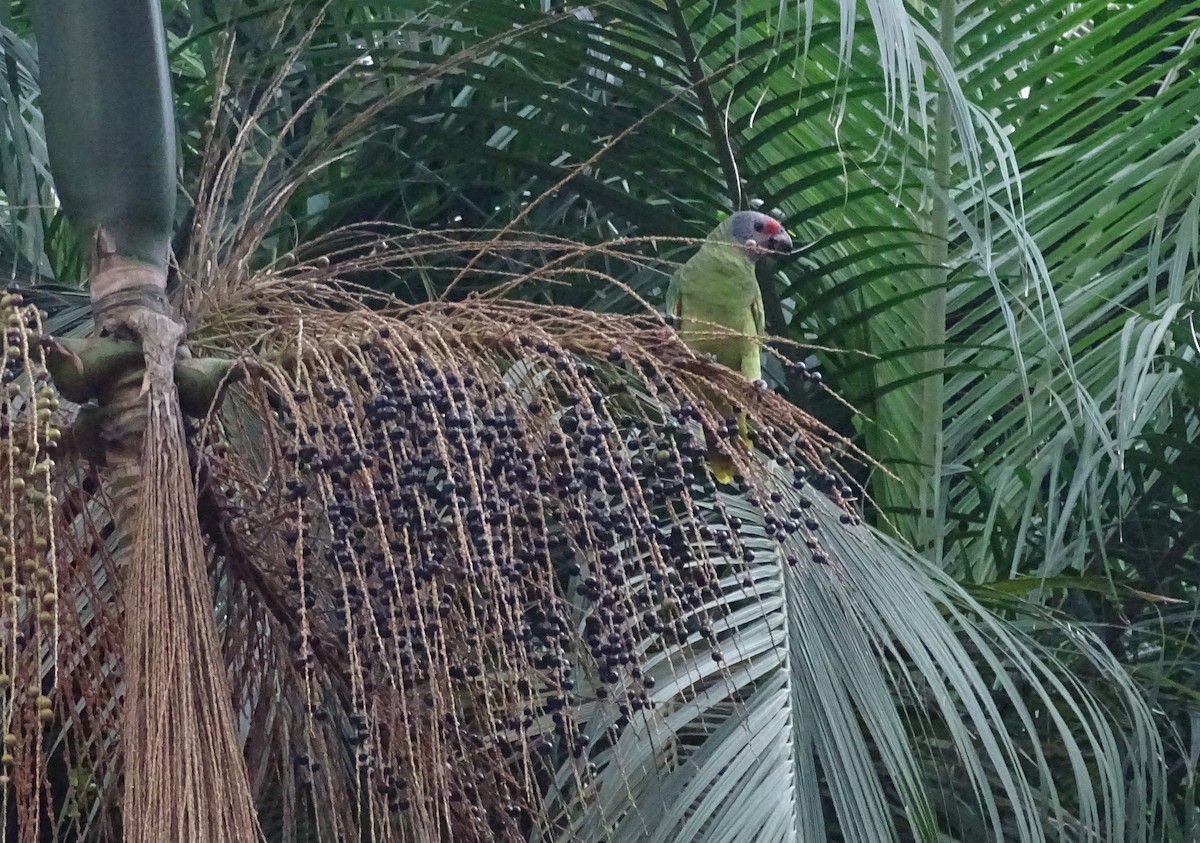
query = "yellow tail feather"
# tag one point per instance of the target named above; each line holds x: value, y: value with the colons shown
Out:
x: 744, y: 431
x: 720, y: 464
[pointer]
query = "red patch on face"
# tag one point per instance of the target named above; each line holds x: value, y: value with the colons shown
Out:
x: 773, y: 227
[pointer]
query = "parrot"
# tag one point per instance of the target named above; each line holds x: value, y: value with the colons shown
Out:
x: 716, y: 290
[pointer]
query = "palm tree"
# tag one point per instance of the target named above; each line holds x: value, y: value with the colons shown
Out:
x: 469, y: 578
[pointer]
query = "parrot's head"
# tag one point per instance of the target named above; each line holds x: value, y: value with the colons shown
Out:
x: 757, y: 234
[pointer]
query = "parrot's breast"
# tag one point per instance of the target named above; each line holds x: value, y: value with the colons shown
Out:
x: 717, y: 291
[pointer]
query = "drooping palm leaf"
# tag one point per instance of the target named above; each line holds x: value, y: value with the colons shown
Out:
x: 786, y: 738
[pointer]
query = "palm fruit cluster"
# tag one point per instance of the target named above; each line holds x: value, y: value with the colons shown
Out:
x: 472, y: 531
x: 29, y: 563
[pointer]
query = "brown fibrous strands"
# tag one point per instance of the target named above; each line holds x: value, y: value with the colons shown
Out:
x: 470, y: 526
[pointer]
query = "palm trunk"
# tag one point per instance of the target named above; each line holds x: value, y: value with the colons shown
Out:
x: 109, y: 127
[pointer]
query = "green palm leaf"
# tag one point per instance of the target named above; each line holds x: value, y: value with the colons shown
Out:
x: 796, y: 733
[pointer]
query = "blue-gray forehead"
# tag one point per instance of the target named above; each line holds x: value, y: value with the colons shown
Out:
x: 741, y: 224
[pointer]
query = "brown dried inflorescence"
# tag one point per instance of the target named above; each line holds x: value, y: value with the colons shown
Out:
x: 457, y: 550
x: 460, y: 532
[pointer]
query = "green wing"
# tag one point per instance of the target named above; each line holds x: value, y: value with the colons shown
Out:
x: 756, y: 312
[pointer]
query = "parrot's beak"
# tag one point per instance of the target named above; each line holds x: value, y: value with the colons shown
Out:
x: 780, y: 243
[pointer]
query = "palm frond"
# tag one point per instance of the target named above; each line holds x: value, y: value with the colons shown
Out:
x: 797, y: 732
x: 27, y: 238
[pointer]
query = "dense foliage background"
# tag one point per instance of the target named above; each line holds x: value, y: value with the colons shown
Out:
x: 997, y: 204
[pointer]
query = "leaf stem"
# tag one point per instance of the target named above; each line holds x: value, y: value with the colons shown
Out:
x: 930, y: 535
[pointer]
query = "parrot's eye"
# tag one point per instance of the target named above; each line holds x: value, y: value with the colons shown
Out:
x: 758, y: 226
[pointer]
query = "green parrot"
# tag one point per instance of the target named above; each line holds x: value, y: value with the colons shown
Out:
x: 716, y: 298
